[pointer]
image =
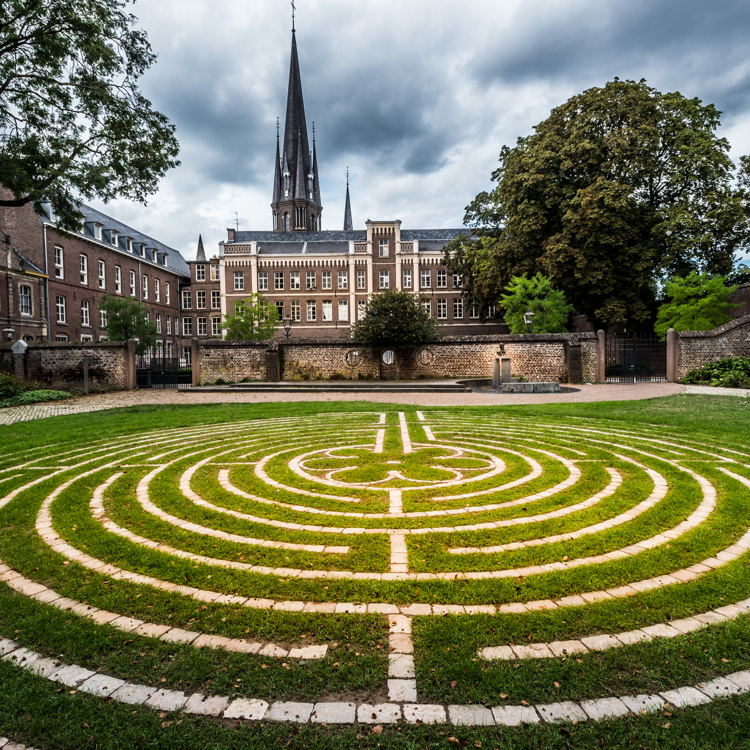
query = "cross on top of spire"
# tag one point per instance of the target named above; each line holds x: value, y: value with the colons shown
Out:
x: 293, y: 11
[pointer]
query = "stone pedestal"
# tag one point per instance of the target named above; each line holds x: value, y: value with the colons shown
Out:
x: 505, y: 369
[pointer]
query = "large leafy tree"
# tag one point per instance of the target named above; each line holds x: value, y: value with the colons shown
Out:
x: 128, y: 319
x: 551, y: 311
x: 697, y: 302
x: 395, y: 319
x: 253, y: 319
x: 619, y: 189
x: 73, y: 122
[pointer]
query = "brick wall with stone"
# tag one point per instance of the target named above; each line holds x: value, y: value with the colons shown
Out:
x: 588, y: 356
x: 307, y: 359
x: 697, y: 348
x: 60, y: 365
x: 232, y: 361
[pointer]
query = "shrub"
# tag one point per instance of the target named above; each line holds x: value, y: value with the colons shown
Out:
x: 338, y: 376
x: 9, y: 386
x: 33, y: 397
x: 733, y: 372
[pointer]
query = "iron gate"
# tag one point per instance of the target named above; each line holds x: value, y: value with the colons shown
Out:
x: 155, y: 371
x: 635, y: 358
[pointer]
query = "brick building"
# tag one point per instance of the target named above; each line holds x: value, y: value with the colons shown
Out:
x: 200, y: 300
x: 55, y: 279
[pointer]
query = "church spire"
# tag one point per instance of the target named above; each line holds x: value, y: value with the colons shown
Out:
x: 277, y: 172
x: 348, y: 223
x: 316, y: 180
x: 298, y: 182
x: 201, y: 254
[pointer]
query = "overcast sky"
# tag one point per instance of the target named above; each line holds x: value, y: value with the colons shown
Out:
x: 416, y: 97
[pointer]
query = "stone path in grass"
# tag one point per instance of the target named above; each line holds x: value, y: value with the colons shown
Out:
x: 14, y: 414
x: 373, y: 498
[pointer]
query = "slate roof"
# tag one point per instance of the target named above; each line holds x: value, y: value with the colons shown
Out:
x: 175, y: 261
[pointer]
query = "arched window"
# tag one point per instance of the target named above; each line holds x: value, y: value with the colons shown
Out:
x: 275, y: 220
x: 286, y: 222
x: 25, y: 299
x: 313, y: 223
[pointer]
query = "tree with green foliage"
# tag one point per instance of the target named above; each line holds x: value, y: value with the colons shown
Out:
x: 551, y: 311
x: 128, y: 319
x: 395, y: 319
x: 697, y: 302
x: 253, y: 319
x: 73, y: 122
x: 617, y: 190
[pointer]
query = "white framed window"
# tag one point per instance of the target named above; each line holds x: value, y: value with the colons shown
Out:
x: 200, y: 299
x: 200, y: 272
x: 215, y: 299
x: 458, y: 308
x: 343, y: 311
x: 59, y: 269
x: 327, y: 311
x: 361, y: 309
x: 202, y: 326
x: 312, y: 310
x: 362, y: 279
x: 85, y: 313
x: 263, y: 281
x: 169, y: 325
x: 294, y: 280
x: 60, y: 308
x: 132, y: 283
x: 278, y: 280
x: 490, y: 311
x: 84, y: 268
x: 310, y: 280
x: 187, y: 355
x: 442, y: 308
x: 157, y: 290
x: 102, y: 318
x: 130, y: 244
x: 327, y: 280
x: 383, y: 248
x: 214, y: 272
x: 187, y: 299
x: 296, y: 311
x: 343, y: 280
x: 425, y: 278
x: 102, y: 275
x: 279, y: 309
x: 98, y: 232
x: 458, y: 282
x: 166, y: 291
x: 87, y: 339
x: 118, y: 280
x: 216, y: 326
x: 158, y: 322
x: 407, y: 278
x: 474, y: 312
x: 145, y: 286
x: 239, y: 281
x: 384, y: 280
x: 142, y: 250
x: 114, y: 237
x: 442, y: 278
x: 24, y: 302
x: 61, y: 337
x: 427, y: 306
x: 187, y: 326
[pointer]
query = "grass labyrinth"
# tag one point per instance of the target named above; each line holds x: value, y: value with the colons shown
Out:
x: 400, y: 564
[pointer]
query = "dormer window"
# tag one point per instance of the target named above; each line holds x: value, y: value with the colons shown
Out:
x: 83, y: 226
x: 142, y: 250
x: 130, y: 244
x: 98, y: 232
x: 286, y: 184
x: 115, y: 237
x: 164, y: 259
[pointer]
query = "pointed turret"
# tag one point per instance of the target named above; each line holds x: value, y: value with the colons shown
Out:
x: 316, y: 179
x: 348, y: 223
x: 296, y: 183
x: 201, y: 254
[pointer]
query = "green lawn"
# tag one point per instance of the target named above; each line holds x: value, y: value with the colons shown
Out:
x: 265, y: 488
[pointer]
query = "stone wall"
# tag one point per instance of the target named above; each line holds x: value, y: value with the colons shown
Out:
x: 697, y: 348
x: 59, y: 365
x: 232, y: 361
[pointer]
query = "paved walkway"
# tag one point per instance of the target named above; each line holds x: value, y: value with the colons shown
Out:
x: 584, y: 393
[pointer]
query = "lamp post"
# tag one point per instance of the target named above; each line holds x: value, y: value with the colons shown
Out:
x: 287, y: 323
x: 8, y: 333
x: 528, y: 319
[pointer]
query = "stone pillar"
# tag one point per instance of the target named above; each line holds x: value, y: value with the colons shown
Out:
x: 574, y: 360
x: 273, y: 368
x: 496, y: 372
x: 673, y: 351
x: 130, y: 375
x: 601, y: 356
x: 19, y: 359
x: 195, y: 361
x: 505, y: 375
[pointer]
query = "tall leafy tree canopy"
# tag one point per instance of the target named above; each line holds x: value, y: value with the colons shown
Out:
x: 73, y: 122
x: 619, y: 189
x: 551, y: 311
x: 395, y: 318
x: 128, y: 319
x: 253, y: 319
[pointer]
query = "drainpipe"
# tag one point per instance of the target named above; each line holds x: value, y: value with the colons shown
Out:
x: 46, y: 281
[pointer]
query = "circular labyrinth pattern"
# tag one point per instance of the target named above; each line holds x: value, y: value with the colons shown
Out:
x: 404, y: 514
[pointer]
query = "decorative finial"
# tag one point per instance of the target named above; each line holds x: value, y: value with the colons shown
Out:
x: 277, y: 128
x: 293, y: 10
x: 347, y: 176
x: 313, y: 132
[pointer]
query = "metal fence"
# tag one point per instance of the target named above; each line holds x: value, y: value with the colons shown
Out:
x: 635, y: 358
x: 155, y: 371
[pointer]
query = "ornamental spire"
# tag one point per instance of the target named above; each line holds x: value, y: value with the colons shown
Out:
x: 348, y: 223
